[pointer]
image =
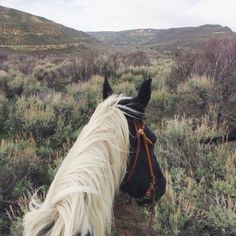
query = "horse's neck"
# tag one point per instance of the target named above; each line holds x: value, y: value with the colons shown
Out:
x: 86, y: 184
x: 80, y: 198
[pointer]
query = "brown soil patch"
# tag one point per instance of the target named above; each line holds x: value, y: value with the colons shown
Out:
x: 130, y: 219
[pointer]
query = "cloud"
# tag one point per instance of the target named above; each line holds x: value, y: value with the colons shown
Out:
x: 129, y: 14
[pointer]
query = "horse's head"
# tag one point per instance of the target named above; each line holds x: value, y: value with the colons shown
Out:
x: 73, y: 205
x: 144, y: 179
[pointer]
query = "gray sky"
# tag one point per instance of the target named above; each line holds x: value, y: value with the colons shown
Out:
x: 97, y: 15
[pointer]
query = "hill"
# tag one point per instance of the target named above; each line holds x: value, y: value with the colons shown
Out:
x: 163, y: 38
x: 20, y: 30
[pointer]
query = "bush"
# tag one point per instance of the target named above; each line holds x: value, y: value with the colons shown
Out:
x: 138, y: 58
x: 222, y: 220
x: 195, y: 96
x: 33, y: 87
x: 53, y: 76
x: 3, y: 112
x: 43, y: 106
x: 216, y: 60
x: 83, y: 68
x: 20, y: 170
x: 87, y: 96
x: 12, y: 84
x: 161, y: 106
x: 32, y: 116
x: 200, y: 197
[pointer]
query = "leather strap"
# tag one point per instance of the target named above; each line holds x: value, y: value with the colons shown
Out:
x: 136, y: 156
x: 140, y: 133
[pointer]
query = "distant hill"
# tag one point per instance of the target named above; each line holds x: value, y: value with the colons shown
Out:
x: 23, y: 30
x: 163, y: 38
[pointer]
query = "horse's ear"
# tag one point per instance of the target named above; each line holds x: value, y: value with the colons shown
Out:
x: 107, y: 91
x: 144, y: 93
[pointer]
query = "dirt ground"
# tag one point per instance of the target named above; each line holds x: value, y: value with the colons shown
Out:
x: 130, y: 219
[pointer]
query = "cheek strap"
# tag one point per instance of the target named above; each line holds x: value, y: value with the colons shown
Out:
x: 140, y: 134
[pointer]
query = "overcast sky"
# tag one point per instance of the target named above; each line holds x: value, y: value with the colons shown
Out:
x: 100, y: 15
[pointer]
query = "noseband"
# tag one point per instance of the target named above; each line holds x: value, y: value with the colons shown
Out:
x: 148, y: 196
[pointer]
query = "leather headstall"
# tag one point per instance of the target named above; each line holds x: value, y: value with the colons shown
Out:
x: 148, y: 196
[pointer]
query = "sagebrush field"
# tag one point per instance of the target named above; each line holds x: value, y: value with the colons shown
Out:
x: 46, y: 101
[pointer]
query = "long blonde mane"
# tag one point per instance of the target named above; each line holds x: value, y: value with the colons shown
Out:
x: 81, y: 195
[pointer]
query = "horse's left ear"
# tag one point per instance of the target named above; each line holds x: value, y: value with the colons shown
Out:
x: 107, y: 90
x: 144, y: 93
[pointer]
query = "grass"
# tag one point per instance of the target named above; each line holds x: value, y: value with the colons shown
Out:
x: 46, y: 101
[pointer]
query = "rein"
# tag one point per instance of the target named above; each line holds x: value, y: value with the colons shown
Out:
x: 149, y: 194
x: 141, y: 136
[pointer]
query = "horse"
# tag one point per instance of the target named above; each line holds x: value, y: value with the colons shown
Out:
x: 114, y: 151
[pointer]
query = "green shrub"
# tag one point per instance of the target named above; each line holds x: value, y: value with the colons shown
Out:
x: 33, y: 87
x: 222, y: 220
x: 178, y: 212
x: 200, y: 197
x: 43, y: 108
x: 33, y: 116
x: 161, y: 106
x: 44, y: 152
x: 195, y: 95
x: 160, y: 71
x: 3, y: 112
x: 20, y: 170
x: 87, y: 95
x: 54, y: 76
x: 12, y: 84
x: 61, y: 135
x: 216, y: 60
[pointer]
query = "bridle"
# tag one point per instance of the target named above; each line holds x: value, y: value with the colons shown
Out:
x: 148, y: 196
x: 141, y: 136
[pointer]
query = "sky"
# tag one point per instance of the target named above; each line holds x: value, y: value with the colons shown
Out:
x: 115, y: 15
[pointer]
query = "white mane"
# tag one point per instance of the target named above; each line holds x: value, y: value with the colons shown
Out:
x: 81, y: 195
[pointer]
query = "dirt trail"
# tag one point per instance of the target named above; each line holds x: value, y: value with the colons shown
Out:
x: 130, y: 220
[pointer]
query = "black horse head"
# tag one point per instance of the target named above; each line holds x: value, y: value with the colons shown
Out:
x: 144, y: 179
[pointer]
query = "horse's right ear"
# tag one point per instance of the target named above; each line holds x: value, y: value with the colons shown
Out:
x: 107, y: 91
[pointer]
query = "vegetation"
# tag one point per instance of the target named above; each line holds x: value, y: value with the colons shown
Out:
x: 45, y: 101
x: 163, y: 39
x: 25, y: 30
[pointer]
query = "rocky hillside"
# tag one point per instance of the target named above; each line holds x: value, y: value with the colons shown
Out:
x: 163, y: 38
x: 25, y: 32
x: 20, y: 28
